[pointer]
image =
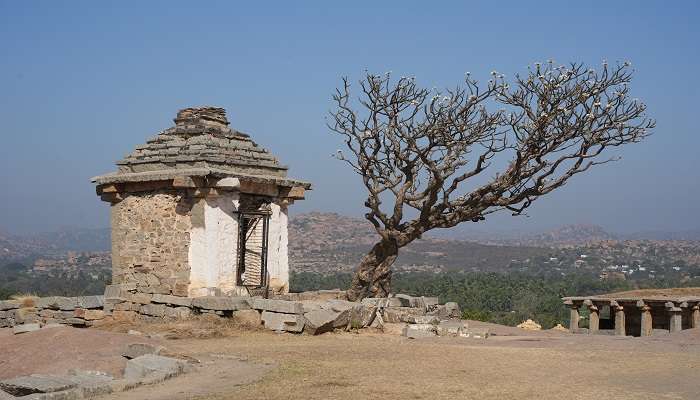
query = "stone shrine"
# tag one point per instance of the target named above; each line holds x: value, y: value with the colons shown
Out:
x: 200, y: 210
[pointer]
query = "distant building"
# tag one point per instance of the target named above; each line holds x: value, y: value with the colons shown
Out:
x: 200, y: 209
x: 637, y: 313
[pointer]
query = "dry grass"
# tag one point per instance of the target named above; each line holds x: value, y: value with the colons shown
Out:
x: 26, y: 300
x: 196, y: 327
x: 372, y: 366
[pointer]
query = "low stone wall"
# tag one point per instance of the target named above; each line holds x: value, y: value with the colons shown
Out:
x: 311, y: 312
x: 76, y: 311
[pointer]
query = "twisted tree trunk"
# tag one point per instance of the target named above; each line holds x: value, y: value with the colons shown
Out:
x: 373, y: 276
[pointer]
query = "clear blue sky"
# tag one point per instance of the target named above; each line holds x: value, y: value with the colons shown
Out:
x: 82, y: 83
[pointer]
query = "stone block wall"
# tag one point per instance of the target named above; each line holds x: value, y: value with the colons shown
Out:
x: 76, y: 311
x: 150, y: 242
x: 310, y: 312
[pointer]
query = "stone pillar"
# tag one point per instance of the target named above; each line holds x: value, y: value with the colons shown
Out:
x: 695, y: 317
x: 646, y: 325
x: 593, y: 318
x: 573, y: 318
x: 619, y: 318
x: 675, y: 316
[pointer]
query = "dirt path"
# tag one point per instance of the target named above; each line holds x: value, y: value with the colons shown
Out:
x: 512, y: 365
x: 217, y: 374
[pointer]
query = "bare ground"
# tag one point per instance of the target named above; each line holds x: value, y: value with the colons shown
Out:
x: 57, y: 350
x: 512, y: 365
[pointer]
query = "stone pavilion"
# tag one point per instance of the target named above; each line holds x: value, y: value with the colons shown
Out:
x: 643, y: 312
x: 200, y: 210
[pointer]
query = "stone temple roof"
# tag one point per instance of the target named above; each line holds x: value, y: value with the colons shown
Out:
x: 652, y: 295
x: 200, y: 144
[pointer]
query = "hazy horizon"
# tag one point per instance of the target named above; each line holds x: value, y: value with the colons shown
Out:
x: 82, y: 84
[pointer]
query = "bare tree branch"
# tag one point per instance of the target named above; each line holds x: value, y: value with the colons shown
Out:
x: 425, y: 149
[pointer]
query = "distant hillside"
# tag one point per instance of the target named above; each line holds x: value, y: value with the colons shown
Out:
x: 75, y: 239
x: 329, y: 243
x: 691, y: 235
x: 318, y: 230
x: 23, y: 247
x: 566, y: 235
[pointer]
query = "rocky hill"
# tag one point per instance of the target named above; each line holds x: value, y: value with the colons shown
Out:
x: 565, y: 235
x: 328, y: 243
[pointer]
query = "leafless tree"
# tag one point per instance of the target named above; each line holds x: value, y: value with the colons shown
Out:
x: 433, y: 159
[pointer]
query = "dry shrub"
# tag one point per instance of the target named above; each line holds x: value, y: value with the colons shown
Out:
x: 26, y: 300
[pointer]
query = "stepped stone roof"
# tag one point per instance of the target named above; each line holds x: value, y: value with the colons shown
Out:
x: 200, y: 144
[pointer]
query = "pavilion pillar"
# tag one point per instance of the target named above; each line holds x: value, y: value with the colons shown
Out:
x: 574, y: 316
x: 695, y: 316
x: 619, y: 318
x: 594, y: 317
x: 646, y: 325
x: 675, y: 323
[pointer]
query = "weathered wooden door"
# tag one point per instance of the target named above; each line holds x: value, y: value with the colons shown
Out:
x: 252, y: 246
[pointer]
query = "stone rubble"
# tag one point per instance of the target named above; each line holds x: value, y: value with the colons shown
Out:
x: 75, y: 385
x: 560, y: 328
x: 418, y: 331
x: 530, y: 325
x: 37, y: 383
x: 310, y: 312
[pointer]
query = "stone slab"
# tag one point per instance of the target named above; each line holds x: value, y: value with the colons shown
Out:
x: 310, y: 305
x: 57, y: 303
x: 178, y: 312
x: 418, y: 331
x: 155, y: 310
x: 283, y: 322
x: 76, y: 322
x: 136, y: 350
x: 320, y: 321
x: 115, y: 292
x: 406, y: 300
x: 174, y: 300
x: 24, y: 328
x: 382, y: 301
x: 426, y: 319
x: 340, y: 305
x: 8, y: 305
x: 221, y: 303
x: 278, y: 306
x: 401, y: 314
x: 149, y: 364
x: 91, y: 302
x: 141, y: 298
x: 92, y: 384
x: 92, y: 315
x: 38, y: 383
x: 451, y: 328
